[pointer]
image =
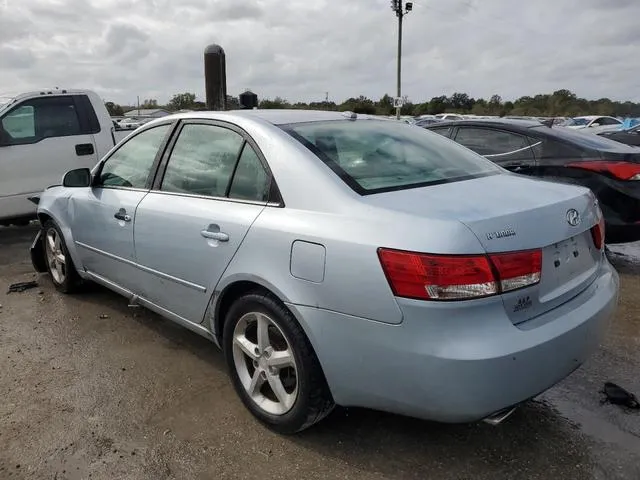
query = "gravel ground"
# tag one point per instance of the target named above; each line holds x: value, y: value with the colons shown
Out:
x: 93, y: 389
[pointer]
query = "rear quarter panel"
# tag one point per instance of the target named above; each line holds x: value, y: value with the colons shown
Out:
x: 353, y: 281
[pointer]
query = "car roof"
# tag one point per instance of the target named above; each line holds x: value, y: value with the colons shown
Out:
x: 498, y: 122
x: 278, y: 117
x: 530, y: 127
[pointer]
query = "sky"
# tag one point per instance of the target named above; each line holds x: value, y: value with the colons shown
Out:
x: 302, y: 49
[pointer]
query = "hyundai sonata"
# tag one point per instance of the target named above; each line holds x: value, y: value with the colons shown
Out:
x: 341, y: 259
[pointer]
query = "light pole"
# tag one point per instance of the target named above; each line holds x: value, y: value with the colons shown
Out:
x: 400, y: 11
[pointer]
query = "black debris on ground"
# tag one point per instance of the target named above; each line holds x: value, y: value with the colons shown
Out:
x: 617, y: 395
x: 21, y: 286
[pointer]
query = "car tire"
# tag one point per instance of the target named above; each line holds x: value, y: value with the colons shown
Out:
x: 301, y: 401
x: 59, y: 263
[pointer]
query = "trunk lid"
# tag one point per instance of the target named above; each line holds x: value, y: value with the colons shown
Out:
x: 509, y: 212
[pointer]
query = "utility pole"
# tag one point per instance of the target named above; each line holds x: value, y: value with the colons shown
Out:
x: 400, y: 11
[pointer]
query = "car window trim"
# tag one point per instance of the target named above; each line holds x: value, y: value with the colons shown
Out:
x: 275, y: 198
x: 154, y: 165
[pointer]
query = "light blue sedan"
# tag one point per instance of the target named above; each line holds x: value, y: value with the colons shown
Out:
x: 341, y: 259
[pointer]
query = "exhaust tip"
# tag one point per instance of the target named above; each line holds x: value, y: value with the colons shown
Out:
x: 500, y: 416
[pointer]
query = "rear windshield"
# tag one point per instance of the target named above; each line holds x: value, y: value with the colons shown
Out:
x: 374, y: 156
x: 587, y: 140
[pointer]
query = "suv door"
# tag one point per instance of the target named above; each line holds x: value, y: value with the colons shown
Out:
x: 508, y: 149
x: 102, y: 216
x: 40, y: 140
x: 188, y: 228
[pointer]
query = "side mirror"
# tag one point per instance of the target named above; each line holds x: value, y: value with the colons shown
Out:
x: 595, y: 124
x: 80, y: 177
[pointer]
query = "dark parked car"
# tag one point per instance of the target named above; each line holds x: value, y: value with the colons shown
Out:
x: 424, y: 122
x: 630, y: 136
x: 610, y: 169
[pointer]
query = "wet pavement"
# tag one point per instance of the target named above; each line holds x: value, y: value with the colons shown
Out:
x: 93, y: 389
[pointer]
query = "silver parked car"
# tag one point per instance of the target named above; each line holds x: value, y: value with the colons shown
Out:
x: 341, y: 259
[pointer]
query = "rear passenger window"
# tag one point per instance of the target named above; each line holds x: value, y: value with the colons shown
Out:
x: 202, y: 161
x: 130, y: 165
x: 444, y: 131
x: 497, y: 145
x: 250, y: 181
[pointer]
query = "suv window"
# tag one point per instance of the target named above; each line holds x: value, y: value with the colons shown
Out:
x: 39, y: 118
x: 202, y: 161
x: 250, y: 180
x: 499, y: 146
x: 130, y: 165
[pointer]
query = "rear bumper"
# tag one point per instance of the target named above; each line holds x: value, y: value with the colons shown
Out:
x: 457, y: 363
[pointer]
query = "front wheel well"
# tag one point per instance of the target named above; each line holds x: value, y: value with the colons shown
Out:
x: 43, y: 218
x: 228, y: 296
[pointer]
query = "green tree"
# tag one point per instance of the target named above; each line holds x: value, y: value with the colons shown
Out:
x: 461, y: 102
x: 385, y: 105
x: 114, y: 109
x: 149, y: 103
x: 182, y: 101
x: 276, y: 103
x: 361, y: 104
x: 438, y: 104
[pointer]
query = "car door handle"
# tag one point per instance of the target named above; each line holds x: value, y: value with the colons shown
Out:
x: 213, y: 232
x: 122, y: 215
x: 84, y: 149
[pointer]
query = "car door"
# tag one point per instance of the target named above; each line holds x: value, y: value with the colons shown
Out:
x: 187, y: 229
x: 510, y: 150
x: 41, y: 139
x: 102, y: 216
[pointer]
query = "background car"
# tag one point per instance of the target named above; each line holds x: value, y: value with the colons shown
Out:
x: 341, y: 259
x: 630, y: 136
x: 449, y: 116
x: 610, y: 169
x: 593, y: 123
x: 423, y: 122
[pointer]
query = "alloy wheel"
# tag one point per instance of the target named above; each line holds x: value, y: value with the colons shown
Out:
x: 56, y: 258
x: 265, y: 363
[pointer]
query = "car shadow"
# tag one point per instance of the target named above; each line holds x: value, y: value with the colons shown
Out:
x: 533, y: 439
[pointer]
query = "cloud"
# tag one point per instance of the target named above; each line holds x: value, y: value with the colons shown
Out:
x: 300, y: 49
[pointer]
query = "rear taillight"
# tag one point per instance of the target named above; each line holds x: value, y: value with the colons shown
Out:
x: 620, y: 170
x: 597, y: 231
x: 458, y: 277
x: 518, y: 269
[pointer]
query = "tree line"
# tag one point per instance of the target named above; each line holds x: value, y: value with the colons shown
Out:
x: 561, y: 103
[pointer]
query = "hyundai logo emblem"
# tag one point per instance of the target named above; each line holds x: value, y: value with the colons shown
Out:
x: 573, y: 217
